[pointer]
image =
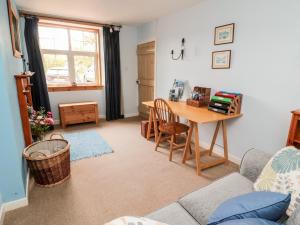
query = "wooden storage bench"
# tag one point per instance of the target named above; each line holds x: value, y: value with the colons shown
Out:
x: 81, y: 112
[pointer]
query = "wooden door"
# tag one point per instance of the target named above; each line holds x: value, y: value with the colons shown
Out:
x: 146, y: 67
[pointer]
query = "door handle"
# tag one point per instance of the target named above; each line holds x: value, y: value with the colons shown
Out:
x: 138, y: 81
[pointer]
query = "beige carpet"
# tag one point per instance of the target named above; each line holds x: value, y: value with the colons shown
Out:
x: 134, y: 180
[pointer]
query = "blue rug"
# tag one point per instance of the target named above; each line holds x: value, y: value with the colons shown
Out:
x: 86, y: 144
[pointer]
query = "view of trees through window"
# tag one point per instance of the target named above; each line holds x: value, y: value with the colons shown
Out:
x: 70, y: 55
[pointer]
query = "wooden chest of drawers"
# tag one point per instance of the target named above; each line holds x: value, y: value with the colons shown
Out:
x: 80, y: 112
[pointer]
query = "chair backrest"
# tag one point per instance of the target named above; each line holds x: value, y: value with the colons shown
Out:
x: 163, y: 111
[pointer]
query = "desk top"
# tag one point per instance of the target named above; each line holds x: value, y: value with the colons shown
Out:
x: 195, y: 114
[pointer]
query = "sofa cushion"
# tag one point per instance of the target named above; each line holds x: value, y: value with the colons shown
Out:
x: 253, y: 163
x: 201, y: 203
x: 131, y: 220
x: 294, y: 218
x: 264, y: 205
x: 173, y: 214
x: 250, y: 221
x: 281, y: 174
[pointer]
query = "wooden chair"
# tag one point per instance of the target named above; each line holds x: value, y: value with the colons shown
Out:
x: 169, y: 125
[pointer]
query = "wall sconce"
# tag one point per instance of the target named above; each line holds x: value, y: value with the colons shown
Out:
x: 181, y: 51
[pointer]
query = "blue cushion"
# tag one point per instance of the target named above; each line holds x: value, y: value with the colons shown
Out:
x: 250, y: 221
x: 265, y: 205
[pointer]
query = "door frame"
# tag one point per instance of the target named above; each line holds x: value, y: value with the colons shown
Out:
x: 155, y: 67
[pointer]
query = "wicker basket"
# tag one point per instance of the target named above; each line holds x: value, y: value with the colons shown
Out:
x: 49, y: 161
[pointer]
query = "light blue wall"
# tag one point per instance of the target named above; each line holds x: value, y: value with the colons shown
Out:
x: 0, y: 201
x: 265, y: 63
x: 12, y: 166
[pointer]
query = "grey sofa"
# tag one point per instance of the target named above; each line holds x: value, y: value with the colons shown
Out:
x: 196, y: 207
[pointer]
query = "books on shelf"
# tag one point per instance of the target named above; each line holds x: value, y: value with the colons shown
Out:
x: 226, y: 102
x: 219, y: 105
x: 225, y: 95
x: 221, y: 99
x: 223, y: 111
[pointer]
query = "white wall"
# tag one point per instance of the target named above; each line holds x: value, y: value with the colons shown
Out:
x: 77, y: 96
x: 128, y: 41
x: 147, y: 32
x: 265, y: 64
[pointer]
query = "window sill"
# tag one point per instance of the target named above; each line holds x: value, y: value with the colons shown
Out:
x: 74, y: 88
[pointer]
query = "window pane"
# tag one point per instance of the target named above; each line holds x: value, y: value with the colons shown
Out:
x: 53, y: 38
x: 56, y: 69
x: 83, y: 40
x: 85, y: 69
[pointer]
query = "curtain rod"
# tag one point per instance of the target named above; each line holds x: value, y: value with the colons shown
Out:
x: 23, y: 13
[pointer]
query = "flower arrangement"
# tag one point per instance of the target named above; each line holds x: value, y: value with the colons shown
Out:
x: 40, y: 122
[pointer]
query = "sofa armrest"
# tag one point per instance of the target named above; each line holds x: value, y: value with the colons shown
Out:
x: 253, y: 163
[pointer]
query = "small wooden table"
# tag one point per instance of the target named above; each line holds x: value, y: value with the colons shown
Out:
x: 80, y: 112
x: 196, y: 116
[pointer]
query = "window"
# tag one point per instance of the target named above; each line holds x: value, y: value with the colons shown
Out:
x: 71, y: 55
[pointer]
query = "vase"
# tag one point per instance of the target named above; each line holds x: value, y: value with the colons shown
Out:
x: 38, y: 137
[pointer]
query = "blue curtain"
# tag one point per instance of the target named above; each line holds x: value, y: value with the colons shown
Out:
x: 40, y: 97
x: 112, y: 74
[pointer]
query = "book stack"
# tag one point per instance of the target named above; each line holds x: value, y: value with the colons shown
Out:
x: 225, y: 102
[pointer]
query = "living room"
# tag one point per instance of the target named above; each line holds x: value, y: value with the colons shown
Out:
x: 129, y: 54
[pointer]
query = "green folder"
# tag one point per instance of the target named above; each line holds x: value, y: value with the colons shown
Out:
x: 221, y: 99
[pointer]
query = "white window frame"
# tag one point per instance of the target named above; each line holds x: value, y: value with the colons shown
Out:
x: 70, y: 55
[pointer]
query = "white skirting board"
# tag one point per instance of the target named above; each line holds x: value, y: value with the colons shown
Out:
x: 126, y: 115
x: 131, y: 115
x: 57, y: 122
x: 8, y: 206
x: 219, y: 150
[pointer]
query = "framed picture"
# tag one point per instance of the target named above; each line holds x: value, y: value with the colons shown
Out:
x: 14, y: 29
x: 221, y: 59
x: 224, y: 34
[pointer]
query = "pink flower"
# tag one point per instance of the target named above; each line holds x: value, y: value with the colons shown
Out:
x: 49, y: 121
x: 49, y: 114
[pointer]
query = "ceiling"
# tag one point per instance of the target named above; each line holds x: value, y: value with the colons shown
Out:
x: 125, y: 12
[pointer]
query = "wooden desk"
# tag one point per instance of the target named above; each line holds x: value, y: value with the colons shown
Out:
x: 196, y: 116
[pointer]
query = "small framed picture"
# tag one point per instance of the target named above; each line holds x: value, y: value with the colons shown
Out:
x: 224, y: 34
x: 221, y: 59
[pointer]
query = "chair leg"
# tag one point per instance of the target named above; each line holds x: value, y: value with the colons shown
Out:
x: 187, y: 147
x: 158, y: 141
x: 190, y: 147
x: 171, y: 148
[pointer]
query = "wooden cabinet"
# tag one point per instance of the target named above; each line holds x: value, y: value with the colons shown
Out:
x: 80, y: 112
x: 294, y: 133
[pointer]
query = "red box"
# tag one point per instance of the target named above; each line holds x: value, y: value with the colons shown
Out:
x: 144, y: 128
